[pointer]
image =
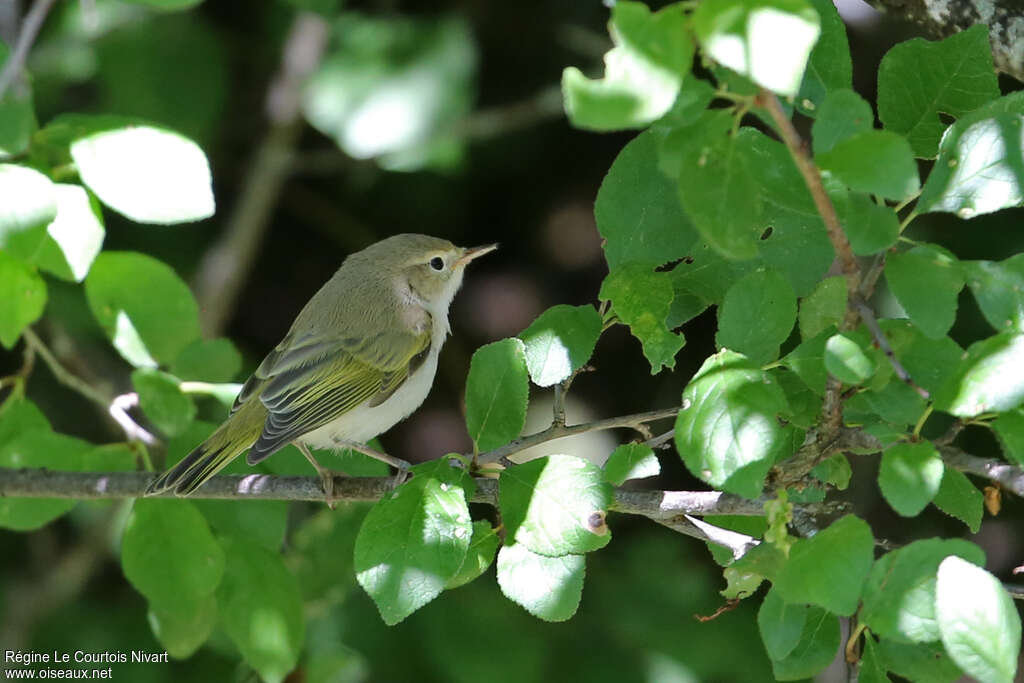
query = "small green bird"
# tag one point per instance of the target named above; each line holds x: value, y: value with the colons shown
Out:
x: 360, y: 357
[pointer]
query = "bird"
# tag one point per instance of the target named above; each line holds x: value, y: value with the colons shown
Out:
x: 360, y: 357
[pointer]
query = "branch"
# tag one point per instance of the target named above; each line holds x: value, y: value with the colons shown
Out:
x: 1011, y: 477
x: 942, y: 18
x: 556, y: 431
x: 224, y: 268
x: 29, y: 30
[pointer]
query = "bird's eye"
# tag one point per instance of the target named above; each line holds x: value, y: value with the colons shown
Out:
x: 437, y: 263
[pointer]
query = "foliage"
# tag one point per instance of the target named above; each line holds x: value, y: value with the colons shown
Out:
x: 703, y: 209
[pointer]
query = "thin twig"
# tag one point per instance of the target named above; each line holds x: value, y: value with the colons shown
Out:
x: 29, y: 30
x: 28, y: 362
x: 60, y: 372
x: 868, y: 316
x: 560, y: 431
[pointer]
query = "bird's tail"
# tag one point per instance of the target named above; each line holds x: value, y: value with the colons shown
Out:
x: 229, y: 441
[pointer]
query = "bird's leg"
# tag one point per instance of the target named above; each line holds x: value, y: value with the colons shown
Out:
x: 326, y: 475
x: 401, y: 465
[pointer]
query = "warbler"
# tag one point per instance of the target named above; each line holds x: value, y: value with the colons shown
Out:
x: 360, y: 357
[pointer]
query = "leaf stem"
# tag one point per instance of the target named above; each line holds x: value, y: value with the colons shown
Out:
x: 921, y: 420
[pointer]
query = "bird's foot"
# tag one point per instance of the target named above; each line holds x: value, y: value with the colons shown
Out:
x: 326, y: 476
x: 402, y: 466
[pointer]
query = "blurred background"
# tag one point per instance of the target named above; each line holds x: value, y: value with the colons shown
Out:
x: 329, y: 128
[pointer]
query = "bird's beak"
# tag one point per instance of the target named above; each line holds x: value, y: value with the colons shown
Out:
x: 475, y: 252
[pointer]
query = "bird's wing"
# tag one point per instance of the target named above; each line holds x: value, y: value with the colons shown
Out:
x: 309, y: 381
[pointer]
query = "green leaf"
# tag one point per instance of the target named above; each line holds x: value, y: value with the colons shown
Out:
x: 37, y: 447
x: 413, y: 542
x: 1009, y: 427
x: 75, y: 237
x: 829, y: 569
x: 871, y: 227
x: 728, y: 433
x: 163, y: 401
x: 846, y: 361
x: 987, y: 380
x: 873, y: 161
x: 824, y: 308
x: 261, y: 609
x: 931, y: 362
x: 147, y: 174
x: 999, y: 291
x: 926, y: 281
x: 695, y: 94
x: 497, y: 390
x: 29, y: 205
x: 559, y: 342
x: 899, y: 597
x: 757, y: 315
x: 829, y: 67
x: 819, y: 642
x: 22, y: 298
x: 260, y: 521
x: 17, y: 115
x: 978, y: 621
x: 479, y: 556
x: 896, y: 402
x: 835, y: 470
x: 20, y: 416
x: 631, y: 461
x: 843, y: 115
x: 768, y: 41
x: 183, y: 627
x: 637, y: 208
x: 872, y: 670
x: 166, y: 4
x: 718, y: 191
x: 918, y: 662
x: 555, y: 505
x: 549, y: 588
x: 979, y: 169
x: 781, y: 624
x: 958, y: 497
x: 208, y: 360
x: 807, y: 360
x: 909, y: 476
x: 146, y: 310
x: 169, y: 554
x: 642, y: 299
x: 919, y: 79
x: 643, y: 72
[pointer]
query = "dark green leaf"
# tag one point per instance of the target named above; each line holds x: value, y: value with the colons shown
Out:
x: 19, y: 416
x: 846, y: 360
x: 146, y: 310
x: 909, y: 476
x: 824, y: 308
x: 930, y: 362
x: 829, y: 568
x: 75, y: 237
x: 261, y: 609
x: 167, y: 4
x: 872, y: 670
x: 999, y: 290
x: 169, y: 554
x: 163, y: 401
x: 642, y: 298
x: 958, y: 497
x: 631, y: 461
x: 30, y: 203
x: 559, y: 342
x: 728, y: 433
x: 549, y: 588
x: 497, y: 390
x: 780, y: 624
x: 22, y: 298
x: 768, y: 41
x: 17, y: 115
x: 757, y: 316
x: 413, y: 542
x: 695, y: 94
x: 643, y: 72
x: 113, y: 457
x: 555, y: 505
x: 918, y: 662
x: 208, y: 360
x: 918, y: 80
x: 829, y: 67
x: 259, y: 521
x: 899, y: 597
x: 807, y: 360
x: 819, y: 642
x: 637, y: 208
x: 987, y: 380
x: 479, y: 556
x: 1010, y: 429
x: 870, y: 227
x: 183, y: 627
x: 926, y: 281
x: 978, y: 621
x: 36, y: 447
x: 842, y: 115
x: 835, y: 470
x: 873, y: 161
x: 896, y: 402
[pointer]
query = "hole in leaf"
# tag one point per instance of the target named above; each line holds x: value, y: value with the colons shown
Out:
x: 767, y: 232
x: 669, y: 266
